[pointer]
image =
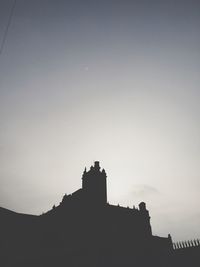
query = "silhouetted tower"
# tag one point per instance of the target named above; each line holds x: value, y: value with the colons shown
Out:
x: 146, y: 222
x: 94, y: 184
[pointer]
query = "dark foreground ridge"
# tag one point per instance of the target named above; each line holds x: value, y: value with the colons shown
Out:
x: 84, y: 230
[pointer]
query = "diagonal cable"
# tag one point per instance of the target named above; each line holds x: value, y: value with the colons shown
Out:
x: 7, y: 26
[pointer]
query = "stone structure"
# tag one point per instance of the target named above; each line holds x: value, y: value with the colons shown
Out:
x: 84, y: 230
x: 115, y: 235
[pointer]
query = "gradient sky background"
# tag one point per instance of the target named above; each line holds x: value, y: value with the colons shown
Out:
x: 115, y: 81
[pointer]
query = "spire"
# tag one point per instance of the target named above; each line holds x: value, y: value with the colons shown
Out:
x: 84, y: 172
x: 96, y: 165
x: 104, y: 173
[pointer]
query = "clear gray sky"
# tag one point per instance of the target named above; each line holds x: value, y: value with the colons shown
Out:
x: 111, y: 80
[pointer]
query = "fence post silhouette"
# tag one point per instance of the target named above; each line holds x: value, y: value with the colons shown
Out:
x: 186, y: 244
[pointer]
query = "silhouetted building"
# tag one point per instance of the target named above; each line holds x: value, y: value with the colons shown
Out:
x: 85, y: 230
x: 121, y: 235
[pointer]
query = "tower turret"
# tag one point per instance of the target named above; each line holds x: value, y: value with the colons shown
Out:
x: 145, y: 218
x: 94, y: 184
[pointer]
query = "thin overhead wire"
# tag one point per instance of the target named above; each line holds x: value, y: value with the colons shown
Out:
x: 7, y: 27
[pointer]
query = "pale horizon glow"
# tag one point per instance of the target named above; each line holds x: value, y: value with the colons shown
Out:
x: 117, y: 82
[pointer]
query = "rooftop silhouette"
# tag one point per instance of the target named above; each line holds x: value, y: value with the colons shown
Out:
x: 85, y: 230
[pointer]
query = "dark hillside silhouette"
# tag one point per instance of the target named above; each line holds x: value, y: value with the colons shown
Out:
x: 84, y: 230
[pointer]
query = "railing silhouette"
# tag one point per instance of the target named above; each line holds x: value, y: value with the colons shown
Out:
x: 186, y: 244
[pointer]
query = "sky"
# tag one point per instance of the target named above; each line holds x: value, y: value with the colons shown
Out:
x: 111, y: 80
